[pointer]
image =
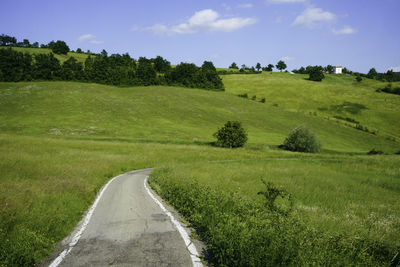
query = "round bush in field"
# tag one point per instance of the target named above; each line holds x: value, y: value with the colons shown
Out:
x: 302, y: 139
x: 231, y: 135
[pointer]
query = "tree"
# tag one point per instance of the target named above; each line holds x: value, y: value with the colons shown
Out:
x: 35, y: 45
x: 145, y: 72
x: 358, y: 78
x: 258, y: 66
x: 46, y: 67
x: 231, y: 135
x: 329, y: 69
x: 26, y: 43
x: 302, y: 139
x: 15, y: 66
x: 268, y: 68
x: 208, y: 77
x: 316, y: 73
x: 161, y: 65
x: 79, y: 50
x: 71, y: 70
x: 372, y: 73
x: 59, y: 47
x: 6, y: 40
x: 103, y: 53
x: 281, y: 65
x: 390, y: 76
x: 233, y: 66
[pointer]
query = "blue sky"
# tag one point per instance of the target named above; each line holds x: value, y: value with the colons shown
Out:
x: 357, y: 34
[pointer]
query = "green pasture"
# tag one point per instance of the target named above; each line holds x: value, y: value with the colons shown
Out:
x: 336, y: 95
x: 60, y: 142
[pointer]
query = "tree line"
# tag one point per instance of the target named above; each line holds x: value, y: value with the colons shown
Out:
x: 281, y: 65
x: 58, y: 47
x: 389, y: 76
x: 115, y: 69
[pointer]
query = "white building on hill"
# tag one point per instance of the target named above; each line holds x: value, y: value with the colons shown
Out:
x: 337, y: 69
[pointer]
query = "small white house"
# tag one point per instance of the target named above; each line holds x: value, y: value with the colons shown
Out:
x: 337, y: 69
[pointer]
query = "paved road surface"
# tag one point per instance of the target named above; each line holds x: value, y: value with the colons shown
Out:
x: 128, y: 228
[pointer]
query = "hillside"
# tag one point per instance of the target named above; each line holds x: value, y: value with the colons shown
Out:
x: 160, y: 114
x: 80, y: 57
x: 336, y: 95
x: 61, y: 141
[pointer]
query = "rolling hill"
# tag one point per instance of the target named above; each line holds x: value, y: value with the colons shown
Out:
x: 337, y: 95
x: 61, y: 141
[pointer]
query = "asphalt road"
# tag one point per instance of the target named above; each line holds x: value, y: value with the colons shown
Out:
x: 127, y: 227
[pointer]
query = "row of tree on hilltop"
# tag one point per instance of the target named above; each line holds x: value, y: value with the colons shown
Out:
x: 101, y: 68
x: 58, y: 47
x: 281, y: 65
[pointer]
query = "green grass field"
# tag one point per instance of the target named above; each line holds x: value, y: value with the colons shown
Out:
x: 61, y: 141
x: 336, y: 95
x: 80, y: 57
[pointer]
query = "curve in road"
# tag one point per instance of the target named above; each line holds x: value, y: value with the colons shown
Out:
x: 128, y: 226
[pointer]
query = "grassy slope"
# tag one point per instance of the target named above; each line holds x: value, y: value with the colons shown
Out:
x: 80, y: 57
x: 294, y: 92
x: 162, y: 114
x: 48, y: 180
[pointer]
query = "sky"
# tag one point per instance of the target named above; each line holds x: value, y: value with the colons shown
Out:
x: 357, y: 34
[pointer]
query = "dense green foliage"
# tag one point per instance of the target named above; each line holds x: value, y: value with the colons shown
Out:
x: 268, y: 68
x: 316, y: 74
x: 115, y: 70
x: 59, y: 47
x: 281, y: 65
x: 234, y: 66
x: 231, y: 135
x: 189, y: 75
x: 302, y: 139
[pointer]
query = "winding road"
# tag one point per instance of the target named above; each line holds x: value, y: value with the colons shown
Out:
x: 127, y: 226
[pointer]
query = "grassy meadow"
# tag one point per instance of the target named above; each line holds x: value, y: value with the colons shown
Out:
x: 61, y: 141
x: 336, y: 95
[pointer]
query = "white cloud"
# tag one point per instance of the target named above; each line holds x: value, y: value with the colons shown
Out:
x: 248, y: 5
x: 287, y: 58
x: 311, y: 16
x: 284, y: 1
x: 204, y: 20
x: 395, y: 69
x: 86, y: 37
x: 89, y: 38
x: 345, y: 30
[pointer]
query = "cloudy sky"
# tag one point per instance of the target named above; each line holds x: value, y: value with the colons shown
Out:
x: 358, y: 34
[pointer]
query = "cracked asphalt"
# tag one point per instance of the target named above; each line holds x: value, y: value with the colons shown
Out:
x: 128, y: 228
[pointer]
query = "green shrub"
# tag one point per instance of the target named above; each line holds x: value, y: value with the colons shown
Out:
x: 302, y: 139
x: 375, y: 152
x: 231, y: 135
x: 316, y: 74
x: 262, y: 100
